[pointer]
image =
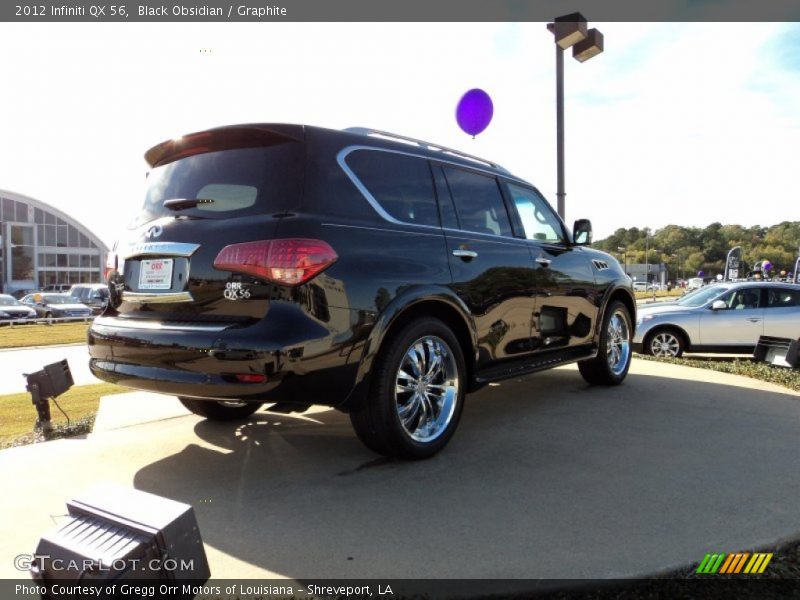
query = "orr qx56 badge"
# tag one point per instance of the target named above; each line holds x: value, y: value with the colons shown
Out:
x: 234, y: 290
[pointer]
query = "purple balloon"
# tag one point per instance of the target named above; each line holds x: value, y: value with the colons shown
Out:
x: 700, y: 274
x: 474, y: 111
x: 766, y: 265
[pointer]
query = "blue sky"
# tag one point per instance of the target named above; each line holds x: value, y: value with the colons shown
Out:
x: 673, y: 123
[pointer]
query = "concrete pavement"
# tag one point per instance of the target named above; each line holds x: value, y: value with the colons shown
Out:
x: 16, y: 361
x: 546, y: 477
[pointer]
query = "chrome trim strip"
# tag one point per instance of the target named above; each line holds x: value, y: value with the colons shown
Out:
x: 116, y: 322
x: 159, y: 249
x: 156, y: 298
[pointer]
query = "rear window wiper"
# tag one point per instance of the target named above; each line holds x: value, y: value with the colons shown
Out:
x: 184, y: 203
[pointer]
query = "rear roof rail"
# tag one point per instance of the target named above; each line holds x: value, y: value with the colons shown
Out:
x: 423, y: 144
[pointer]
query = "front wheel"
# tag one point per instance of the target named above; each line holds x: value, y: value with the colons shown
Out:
x: 220, y: 410
x: 417, y: 392
x: 610, y: 366
x: 665, y: 343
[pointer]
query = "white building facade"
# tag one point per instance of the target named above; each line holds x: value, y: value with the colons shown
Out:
x: 40, y: 246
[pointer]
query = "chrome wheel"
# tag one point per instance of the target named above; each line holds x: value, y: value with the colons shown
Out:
x: 618, y: 346
x: 426, y: 389
x: 665, y: 344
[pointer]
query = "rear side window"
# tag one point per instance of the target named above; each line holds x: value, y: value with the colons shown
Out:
x: 782, y: 298
x: 478, y: 201
x: 402, y: 185
x: 240, y: 181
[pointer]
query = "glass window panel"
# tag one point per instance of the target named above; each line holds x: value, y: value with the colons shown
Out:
x: 86, y: 261
x: 478, y: 201
x: 95, y: 262
x: 84, y: 241
x: 38, y: 216
x: 538, y: 219
x: 401, y: 184
x: 61, y: 260
x: 61, y: 236
x: 8, y: 209
x: 49, y: 218
x: 22, y: 212
x: 74, y: 238
x: 73, y: 260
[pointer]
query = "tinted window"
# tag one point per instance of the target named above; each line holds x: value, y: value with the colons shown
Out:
x: 782, y: 297
x: 239, y: 181
x: 478, y: 201
x: 401, y: 184
x: 537, y: 218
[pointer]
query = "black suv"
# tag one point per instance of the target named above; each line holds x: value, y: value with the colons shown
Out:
x: 377, y: 274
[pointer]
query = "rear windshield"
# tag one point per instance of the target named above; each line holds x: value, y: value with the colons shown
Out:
x: 240, y: 182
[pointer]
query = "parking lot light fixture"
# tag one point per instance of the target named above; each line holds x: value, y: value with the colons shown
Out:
x: 569, y: 31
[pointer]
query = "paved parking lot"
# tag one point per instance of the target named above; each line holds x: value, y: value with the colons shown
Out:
x: 546, y: 477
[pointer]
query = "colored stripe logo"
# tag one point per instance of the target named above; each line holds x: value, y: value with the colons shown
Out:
x: 736, y: 563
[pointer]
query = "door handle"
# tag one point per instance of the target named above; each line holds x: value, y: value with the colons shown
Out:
x: 465, y: 254
x: 754, y: 319
x: 545, y: 262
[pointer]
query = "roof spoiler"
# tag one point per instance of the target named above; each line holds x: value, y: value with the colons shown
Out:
x: 222, y: 138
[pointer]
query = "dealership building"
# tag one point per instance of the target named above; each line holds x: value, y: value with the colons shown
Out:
x: 40, y: 246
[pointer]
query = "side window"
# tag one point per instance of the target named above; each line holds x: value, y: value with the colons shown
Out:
x: 782, y: 297
x: 401, y: 184
x: 537, y: 217
x: 478, y: 201
x: 741, y: 299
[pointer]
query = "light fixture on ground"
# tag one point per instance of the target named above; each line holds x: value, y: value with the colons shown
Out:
x: 569, y: 31
x: 114, y: 536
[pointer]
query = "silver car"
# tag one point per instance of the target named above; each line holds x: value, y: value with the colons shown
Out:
x: 724, y: 317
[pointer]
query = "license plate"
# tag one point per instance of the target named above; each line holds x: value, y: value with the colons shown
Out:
x: 155, y: 274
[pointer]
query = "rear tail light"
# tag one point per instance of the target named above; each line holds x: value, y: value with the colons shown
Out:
x: 287, y: 261
x: 250, y: 377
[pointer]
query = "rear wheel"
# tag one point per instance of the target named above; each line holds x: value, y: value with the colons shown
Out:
x: 220, y: 410
x: 613, y: 360
x: 417, y: 393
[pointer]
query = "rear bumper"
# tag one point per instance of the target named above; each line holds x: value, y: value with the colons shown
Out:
x: 303, y: 360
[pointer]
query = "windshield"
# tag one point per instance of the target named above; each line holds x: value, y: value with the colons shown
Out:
x: 9, y: 301
x: 703, y: 295
x: 237, y: 182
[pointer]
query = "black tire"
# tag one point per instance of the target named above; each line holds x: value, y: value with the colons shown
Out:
x: 220, y: 411
x: 599, y: 370
x: 48, y: 315
x: 377, y: 421
x: 666, y: 342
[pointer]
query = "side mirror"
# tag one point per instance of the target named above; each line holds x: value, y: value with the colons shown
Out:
x: 719, y: 305
x: 582, y: 232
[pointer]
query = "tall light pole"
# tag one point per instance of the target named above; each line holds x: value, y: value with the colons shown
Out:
x: 569, y: 31
x: 624, y: 250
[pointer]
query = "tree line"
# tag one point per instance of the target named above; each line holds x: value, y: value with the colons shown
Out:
x: 689, y: 250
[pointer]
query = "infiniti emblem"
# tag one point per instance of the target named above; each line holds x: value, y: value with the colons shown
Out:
x: 153, y: 232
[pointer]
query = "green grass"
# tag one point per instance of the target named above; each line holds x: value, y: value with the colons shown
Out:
x: 789, y: 378
x: 17, y: 413
x: 21, y: 336
x: 674, y: 293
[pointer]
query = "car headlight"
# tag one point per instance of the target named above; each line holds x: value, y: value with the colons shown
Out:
x: 645, y: 318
